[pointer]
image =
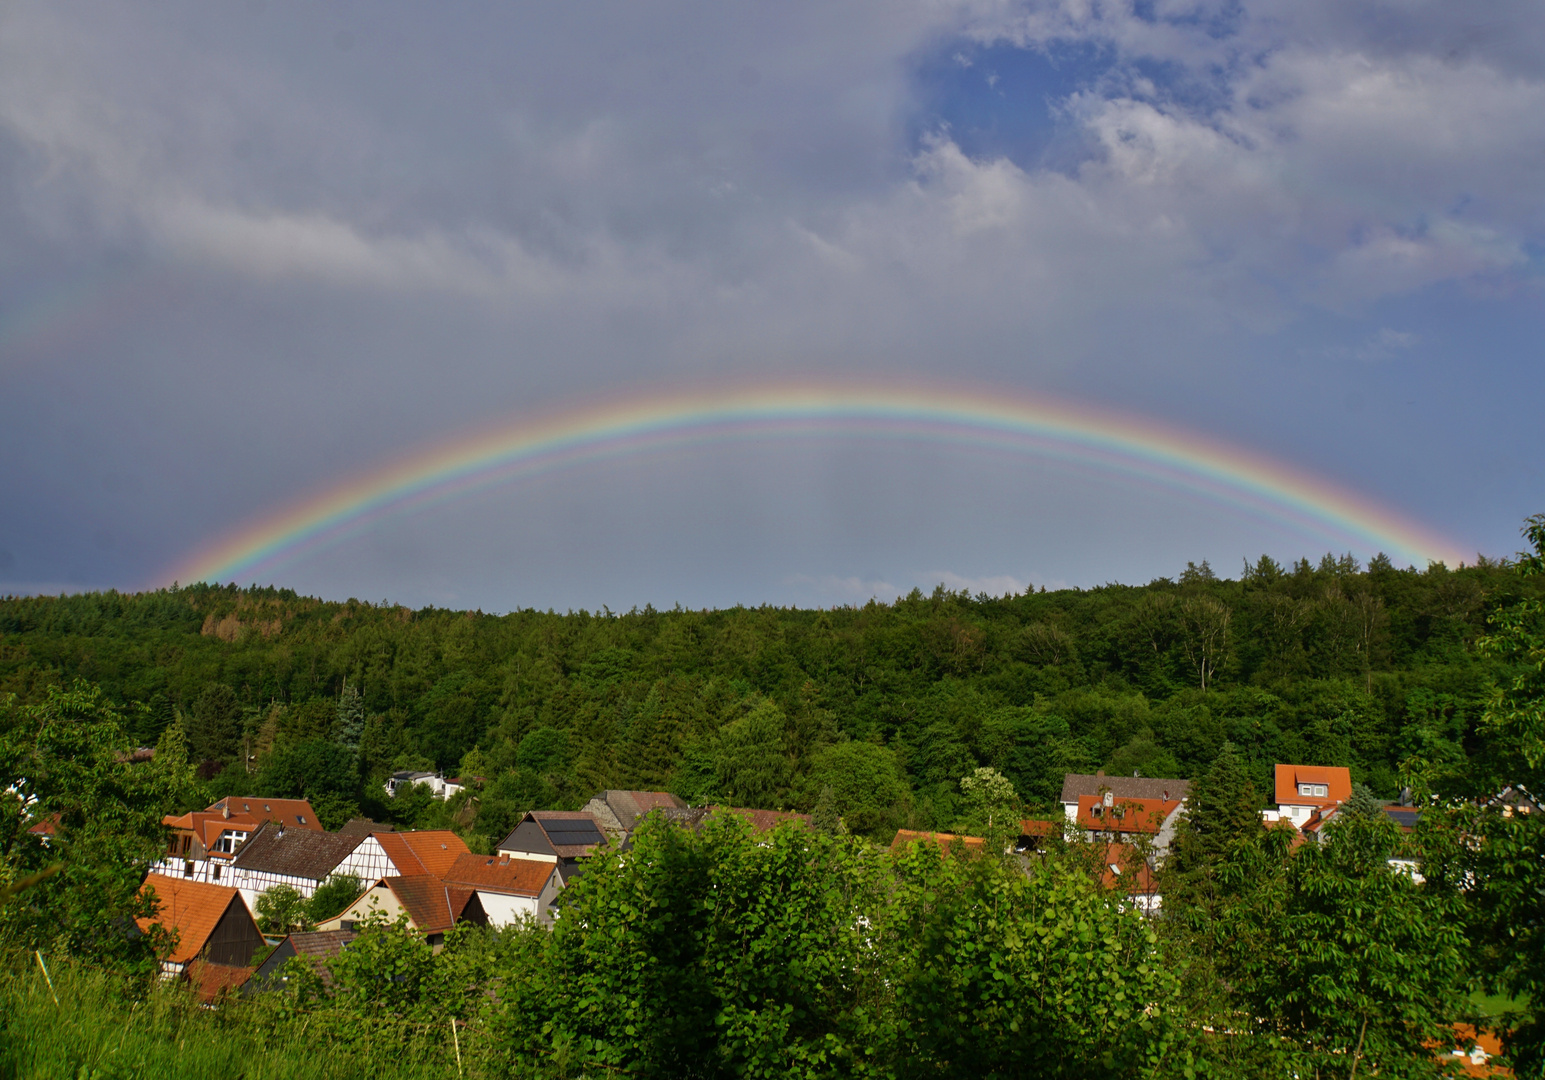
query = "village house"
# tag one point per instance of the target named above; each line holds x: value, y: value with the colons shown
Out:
x: 432, y: 907
x: 215, y: 932
x: 1123, y: 820
x: 318, y: 947
x: 509, y: 889
x: 1077, y: 785
x: 1303, y: 791
x: 305, y: 860
x: 202, y: 843
x: 565, y: 837
x: 437, y: 783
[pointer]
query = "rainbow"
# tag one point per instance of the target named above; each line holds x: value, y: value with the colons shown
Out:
x: 1117, y: 443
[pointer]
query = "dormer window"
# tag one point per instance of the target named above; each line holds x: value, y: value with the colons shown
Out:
x: 300, y: 818
x: 1314, y: 791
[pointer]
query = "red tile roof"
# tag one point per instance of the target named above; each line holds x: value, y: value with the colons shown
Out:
x: 212, y: 980
x: 291, y: 813
x: 428, y: 851
x: 1031, y: 827
x: 501, y: 873
x: 944, y: 840
x: 1124, y: 815
x: 431, y: 903
x: 191, y: 908
x: 1337, y: 780
x: 1124, y: 869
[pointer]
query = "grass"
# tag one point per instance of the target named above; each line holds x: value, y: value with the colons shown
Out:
x: 106, y: 1028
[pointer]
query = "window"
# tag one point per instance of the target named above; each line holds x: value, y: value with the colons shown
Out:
x: 217, y: 871
x: 187, y: 868
x: 1314, y: 791
x: 346, y: 924
x: 300, y: 819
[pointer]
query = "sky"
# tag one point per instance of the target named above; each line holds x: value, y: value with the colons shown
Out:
x: 251, y: 252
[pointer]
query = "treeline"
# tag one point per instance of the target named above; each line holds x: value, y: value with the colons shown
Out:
x: 888, y: 705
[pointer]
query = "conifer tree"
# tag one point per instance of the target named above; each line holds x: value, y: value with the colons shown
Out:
x: 351, y: 717
x: 1221, y: 809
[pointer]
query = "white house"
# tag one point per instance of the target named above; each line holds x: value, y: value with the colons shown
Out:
x: 442, y: 788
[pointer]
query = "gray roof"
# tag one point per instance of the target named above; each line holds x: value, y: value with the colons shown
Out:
x: 629, y: 806
x: 295, y: 852
x: 1122, y: 787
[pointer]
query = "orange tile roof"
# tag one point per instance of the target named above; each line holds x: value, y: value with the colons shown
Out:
x: 944, y: 840
x: 191, y: 908
x: 437, y: 849
x: 291, y: 813
x: 429, y: 851
x: 1124, y: 815
x: 1337, y: 780
x: 500, y: 873
x: 1122, y: 867
x: 208, y: 826
x: 1031, y: 827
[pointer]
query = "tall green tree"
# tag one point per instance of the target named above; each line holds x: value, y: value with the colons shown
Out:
x: 65, y: 766
x: 1509, y: 864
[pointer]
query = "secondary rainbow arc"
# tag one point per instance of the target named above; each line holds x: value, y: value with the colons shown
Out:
x: 1102, y: 439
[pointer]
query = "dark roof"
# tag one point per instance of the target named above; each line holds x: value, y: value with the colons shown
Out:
x: 572, y: 833
x: 295, y: 852
x: 1404, y: 816
x: 1123, y: 787
x: 316, y: 946
x: 363, y: 826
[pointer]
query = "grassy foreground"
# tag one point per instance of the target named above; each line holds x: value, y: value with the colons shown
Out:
x: 104, y: 1028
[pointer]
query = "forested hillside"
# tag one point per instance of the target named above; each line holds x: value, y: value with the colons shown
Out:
x: 887, y: 704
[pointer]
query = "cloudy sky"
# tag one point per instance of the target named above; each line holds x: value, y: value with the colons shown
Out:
x: 250, y: 250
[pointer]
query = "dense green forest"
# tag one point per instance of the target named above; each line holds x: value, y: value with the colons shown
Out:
x: 812, y: 951
x: 889, y: 705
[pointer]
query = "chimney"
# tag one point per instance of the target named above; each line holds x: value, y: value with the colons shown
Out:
x: 1099, y: 774
x: 225, y: 810
x: 280, y: 833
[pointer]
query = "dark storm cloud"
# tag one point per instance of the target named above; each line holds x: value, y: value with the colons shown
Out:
x: 247, y: 250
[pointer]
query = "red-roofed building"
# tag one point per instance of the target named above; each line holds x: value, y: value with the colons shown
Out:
x: 1303, y: 790
x: 1114, y: 817
x: 211, y: 923
x: 426, y: 851
x: 510, y: 889
x: 431, y: 905
x: 1123, y: 869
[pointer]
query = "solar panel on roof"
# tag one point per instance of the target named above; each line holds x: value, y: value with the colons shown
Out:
x: 572, y: 832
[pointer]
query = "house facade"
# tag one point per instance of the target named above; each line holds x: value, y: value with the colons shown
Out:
x: 304, y: 861
x: 1076, y: 786
x: 510, y: 890
x: 432, y: 907
x: 213, y: 923
x: 1306, y: 791
x: 441, y: 787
